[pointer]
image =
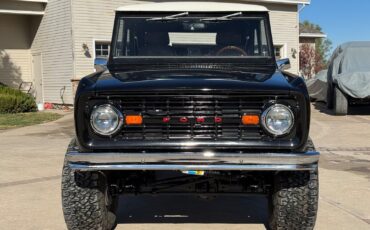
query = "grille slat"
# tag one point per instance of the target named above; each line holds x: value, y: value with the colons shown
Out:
x: 154, y: 108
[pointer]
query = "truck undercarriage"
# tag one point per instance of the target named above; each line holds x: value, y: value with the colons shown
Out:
x: 193, y: 182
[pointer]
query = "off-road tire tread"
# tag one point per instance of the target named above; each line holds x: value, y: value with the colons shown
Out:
x: 294, y: 201
x: 84, y: 201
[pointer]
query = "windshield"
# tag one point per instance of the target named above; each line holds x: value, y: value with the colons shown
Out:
x: 184, y: 35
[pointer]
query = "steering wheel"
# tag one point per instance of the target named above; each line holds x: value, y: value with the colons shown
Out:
x: 232, y: 48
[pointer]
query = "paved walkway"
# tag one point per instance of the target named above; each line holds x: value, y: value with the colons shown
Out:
x: 31, y: 159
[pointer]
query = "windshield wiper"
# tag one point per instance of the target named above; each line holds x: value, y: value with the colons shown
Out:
x: 222, y: 18
x: 170, y: 17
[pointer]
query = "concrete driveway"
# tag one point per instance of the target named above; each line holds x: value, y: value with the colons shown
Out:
x: 30, y: 167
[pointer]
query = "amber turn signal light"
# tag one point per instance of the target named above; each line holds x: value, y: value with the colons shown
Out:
x: 134, y: 119
x: 251, y: 120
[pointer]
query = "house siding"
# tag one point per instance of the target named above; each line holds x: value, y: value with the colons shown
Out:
x: 309, y: 41
x: 15, y: 63
x: 92, y: 20
x: 285, y: 31
x: 53, y: 40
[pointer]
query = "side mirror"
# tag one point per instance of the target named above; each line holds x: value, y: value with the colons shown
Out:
x: 283, y: 64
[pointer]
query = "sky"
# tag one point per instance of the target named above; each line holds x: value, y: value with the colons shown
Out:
x: 341, y: 20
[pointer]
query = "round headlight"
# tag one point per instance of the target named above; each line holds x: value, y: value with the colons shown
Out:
x: 106, y: 119
x: 278, y: 119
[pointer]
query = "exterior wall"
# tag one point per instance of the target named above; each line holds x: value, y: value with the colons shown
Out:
x: 53, y: 40
x: 92, y: 21
x: 15, y: 62
x: 310, y: 41
x: 285, y: 31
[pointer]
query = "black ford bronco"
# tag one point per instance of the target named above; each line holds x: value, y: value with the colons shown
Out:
x: 193, y: 102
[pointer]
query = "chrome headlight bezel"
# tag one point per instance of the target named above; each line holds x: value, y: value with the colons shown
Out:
x: 115, y: 128
x: 277, y: 133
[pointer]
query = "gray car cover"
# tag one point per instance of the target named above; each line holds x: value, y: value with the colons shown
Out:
x: 349, y: 68
x: 317, y: 86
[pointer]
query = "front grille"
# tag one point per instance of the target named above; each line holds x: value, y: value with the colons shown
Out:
x: 228, y: 108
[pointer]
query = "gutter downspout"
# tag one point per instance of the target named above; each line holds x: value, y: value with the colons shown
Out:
x: 299, y: 11
x: 302, y: 7
x: 73, y: 40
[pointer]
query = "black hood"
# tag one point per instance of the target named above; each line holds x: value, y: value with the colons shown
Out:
x: 191, y: 80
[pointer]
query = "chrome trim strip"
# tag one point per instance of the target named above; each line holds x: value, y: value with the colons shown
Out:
x: 207, y: 160
x: 206, y: 157
x: 170, y: 167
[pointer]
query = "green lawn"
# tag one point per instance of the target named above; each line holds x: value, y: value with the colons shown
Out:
x: 8, y: 121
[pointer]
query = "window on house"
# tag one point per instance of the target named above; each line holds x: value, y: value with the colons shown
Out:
x: 102, y: 49
x: 278, y: 52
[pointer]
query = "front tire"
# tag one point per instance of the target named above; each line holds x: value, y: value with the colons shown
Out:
x: 340, y: 102
x: 86, y: 201
x: 329, y: 97
x: 294, y: 201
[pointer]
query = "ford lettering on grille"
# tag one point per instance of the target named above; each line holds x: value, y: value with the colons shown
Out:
x: 192, y: 117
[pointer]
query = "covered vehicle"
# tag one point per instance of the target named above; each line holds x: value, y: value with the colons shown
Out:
x: 349, y: 76
x: 317, y: 86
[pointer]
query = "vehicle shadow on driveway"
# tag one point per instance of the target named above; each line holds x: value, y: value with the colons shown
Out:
x: 191, y: 209
x: 352, y: 110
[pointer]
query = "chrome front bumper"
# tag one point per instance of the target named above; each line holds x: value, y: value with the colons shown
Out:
x: 191, y: 161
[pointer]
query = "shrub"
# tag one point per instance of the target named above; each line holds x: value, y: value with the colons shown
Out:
x: 15, y: 101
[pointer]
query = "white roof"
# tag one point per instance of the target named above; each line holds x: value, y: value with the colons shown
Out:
x: 193, y: 7
x: 312, y: 35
